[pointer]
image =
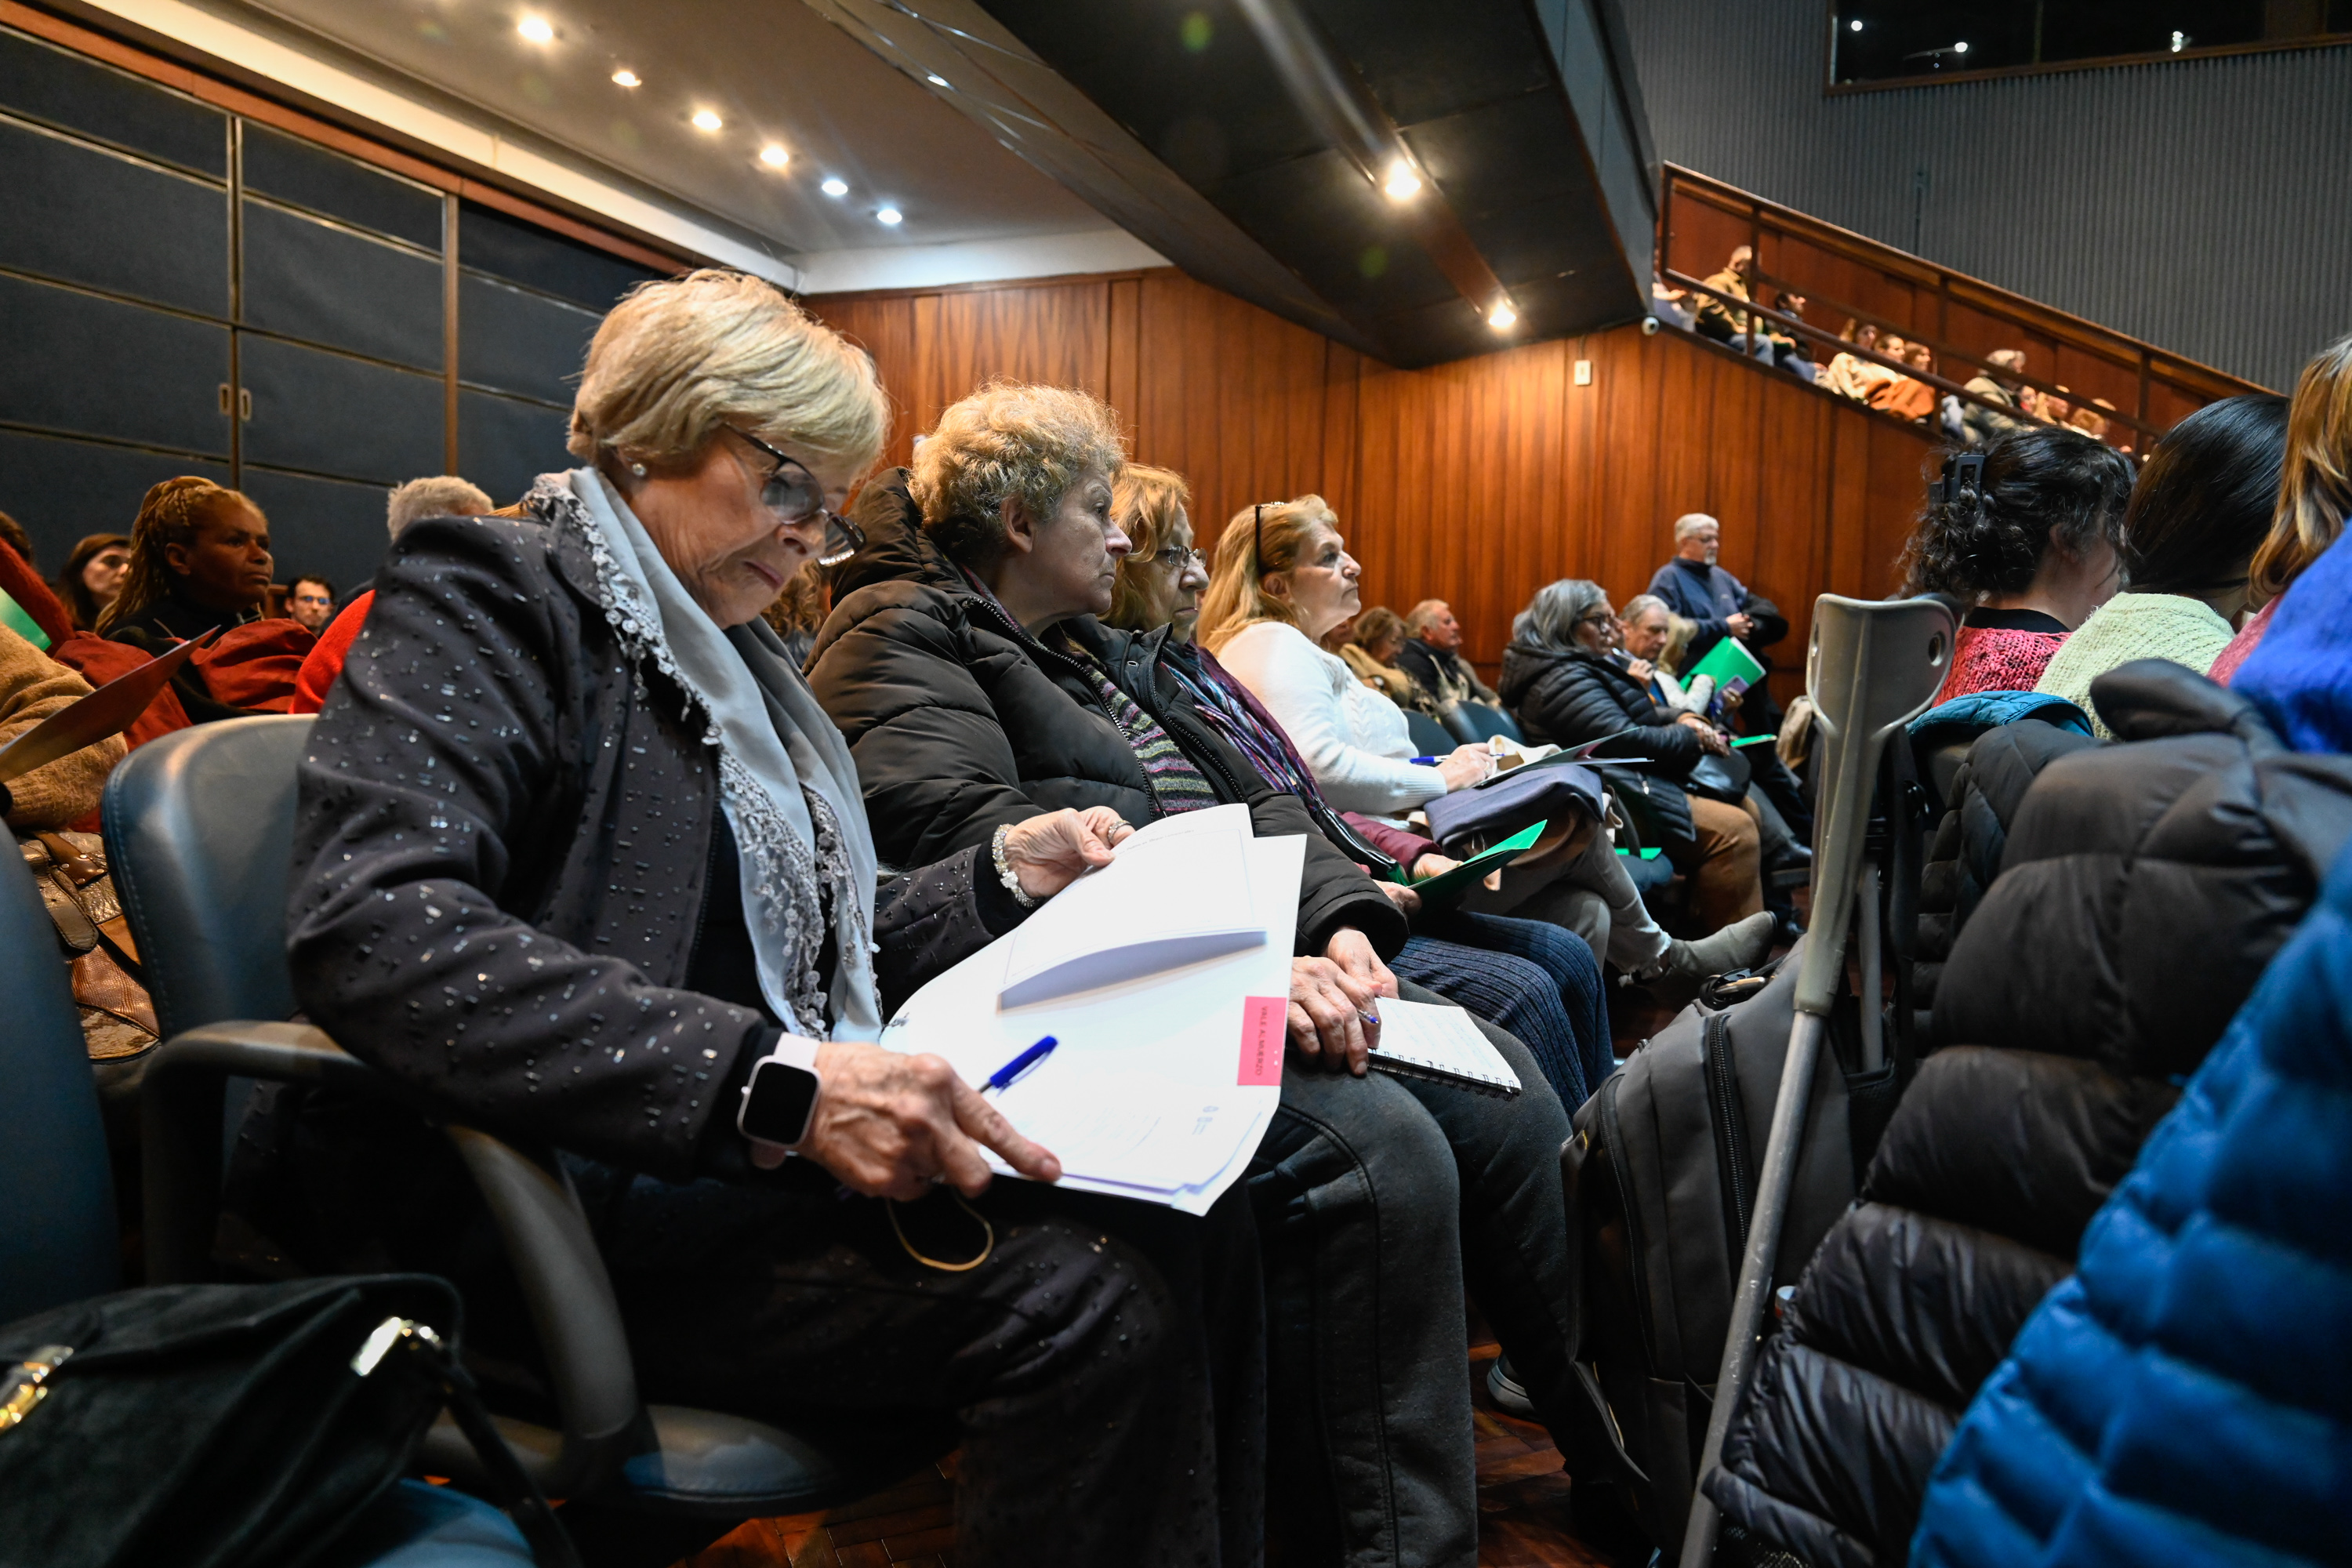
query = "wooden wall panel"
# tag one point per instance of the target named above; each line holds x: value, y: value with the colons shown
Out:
x: 1476, y: 482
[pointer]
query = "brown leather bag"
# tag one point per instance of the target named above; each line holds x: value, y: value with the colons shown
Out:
x: 118, y: 1018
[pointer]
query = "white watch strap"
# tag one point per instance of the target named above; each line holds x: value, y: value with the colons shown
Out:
x: 794, y: 1051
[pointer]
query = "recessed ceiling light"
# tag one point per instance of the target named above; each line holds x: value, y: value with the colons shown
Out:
x: 936, y: 79
x: 1854, y: 26
x: 704, y: 119
x: 626, y: 78
x: 538, y: 29
x: 1501, y: 318
x: 836, y: 187
x: 1961, y: 48
x: 1403, y: 184
x: 773, y: 156
x: 889, y: 215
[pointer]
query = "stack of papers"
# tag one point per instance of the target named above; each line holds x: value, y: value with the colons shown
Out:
x: 1165, y: 978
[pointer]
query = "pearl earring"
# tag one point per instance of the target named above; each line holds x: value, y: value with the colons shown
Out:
x: 638, y: 469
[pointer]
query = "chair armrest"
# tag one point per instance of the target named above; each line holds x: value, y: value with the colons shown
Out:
x: 546, y: 1237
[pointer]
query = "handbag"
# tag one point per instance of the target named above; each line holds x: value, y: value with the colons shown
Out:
x: 117, y: 1017
x: 1467, y: 820
x: 232, y: 1425
x: 1723, y: 779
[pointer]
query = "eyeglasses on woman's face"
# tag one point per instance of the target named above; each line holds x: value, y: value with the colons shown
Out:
x: 1175, y: 558
x: 792, y: 495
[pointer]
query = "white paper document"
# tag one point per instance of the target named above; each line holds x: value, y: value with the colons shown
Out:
x: 1161, y: 1084
x: 1441, y: 1043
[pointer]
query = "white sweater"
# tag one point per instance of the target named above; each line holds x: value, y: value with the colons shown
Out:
x: 1354, y: 740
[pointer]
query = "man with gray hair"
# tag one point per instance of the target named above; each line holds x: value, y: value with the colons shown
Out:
x: 1432, y: 655
x: 437, y: 495
x: 1978, y: 423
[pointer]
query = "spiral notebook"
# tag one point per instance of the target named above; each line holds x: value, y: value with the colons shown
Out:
x: 1442, y: 1045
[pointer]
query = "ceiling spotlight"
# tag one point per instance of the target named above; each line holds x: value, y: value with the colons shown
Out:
x: 628, y: 78
x: 2179, y: 42
x: 834, y: 186
x: 773, y: 156
x: 891, y: 215
x: 1403, y: 184
x: 704, y: 119
x: 936, y: 79
x: 1854, y: 26
x: 1961, y: 48
x: 538, y: 29
x: 1501, y: 318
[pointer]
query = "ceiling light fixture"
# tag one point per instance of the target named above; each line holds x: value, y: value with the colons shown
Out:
x: 1501, y: 318
x: 773, y: 156
x: 834, y: 186
x: 1961, y: 48
x: 628, y: 78
x: 936, y: 79
x: 1402, y: 183
x: 1854, y: 26
x: 704, y: 119
x: 538, y: 29
x: 890, y: 215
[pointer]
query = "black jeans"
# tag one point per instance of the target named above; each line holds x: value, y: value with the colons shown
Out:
x: 1377, y: 1200
x: 1105, y: 1364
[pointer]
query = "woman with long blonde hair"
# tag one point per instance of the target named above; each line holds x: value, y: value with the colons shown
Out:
x: 2315, y: 496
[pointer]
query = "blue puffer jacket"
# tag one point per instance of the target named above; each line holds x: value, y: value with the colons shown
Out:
x: 2187, y: 1398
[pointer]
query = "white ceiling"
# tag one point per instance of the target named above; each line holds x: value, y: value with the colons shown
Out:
x: 773, y: 71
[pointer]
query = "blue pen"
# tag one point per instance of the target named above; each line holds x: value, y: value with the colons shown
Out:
x: 1004, y: 1077
x: 1427, y: 762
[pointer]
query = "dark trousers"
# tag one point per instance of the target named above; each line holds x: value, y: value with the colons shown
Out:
x: 1105, y: 1365
x: 1534, y: 979
x: 1379, y: 1199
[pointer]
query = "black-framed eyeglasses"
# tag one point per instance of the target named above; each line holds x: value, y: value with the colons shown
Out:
x: 795, y: 499
x: 1257, y: 522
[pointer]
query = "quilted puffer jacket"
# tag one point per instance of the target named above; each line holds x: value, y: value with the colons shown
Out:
x: 2186, y: 1400
x: 2143, y: 888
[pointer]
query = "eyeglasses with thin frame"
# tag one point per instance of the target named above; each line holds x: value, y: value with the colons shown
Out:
x: 1177, y: 560
x: 792, y: 497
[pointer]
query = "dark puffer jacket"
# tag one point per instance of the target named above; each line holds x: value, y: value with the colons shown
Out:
x: 959, y: 720
x: 2143, y: 887
x: 1566, y: 697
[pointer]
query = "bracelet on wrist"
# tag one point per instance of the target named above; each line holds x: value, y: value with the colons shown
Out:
x: 1004, y: 872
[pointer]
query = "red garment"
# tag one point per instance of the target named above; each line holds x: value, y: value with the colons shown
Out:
x: 99, y: 661
x: 1990, y: 658
x: 35, y: 597
x: 1398, y: 844
x: 2249, y: 638
x: 326, y: 660
x: 253, y: 665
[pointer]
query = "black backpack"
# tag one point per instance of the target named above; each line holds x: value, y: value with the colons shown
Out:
x: 1661, y: 1173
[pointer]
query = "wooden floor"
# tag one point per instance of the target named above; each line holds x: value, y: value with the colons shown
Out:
x: 1524, y: 1514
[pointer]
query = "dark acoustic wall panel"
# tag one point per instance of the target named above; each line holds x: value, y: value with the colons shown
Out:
x: 504, y: 443
x: 80, y: 94
x: 326, y: 413
x: 277, y: 165
x: 327, y: 528
x: 316, y: 280
x: 61, y: 490
x: 91, y: 216
x: 507, y: 248
x: 80, y: 364
x: 520, y: 341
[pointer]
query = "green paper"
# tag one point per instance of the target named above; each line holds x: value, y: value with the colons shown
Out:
x: 14, y: 617
x: 1645, y: 854
x: 1728, y: 661
x: 1447, y: 886
x: 1754, y: 740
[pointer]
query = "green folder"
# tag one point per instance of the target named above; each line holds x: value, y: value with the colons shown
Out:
x: 1447, y: 886
x: 14, y: 617
x: 1728, y: 661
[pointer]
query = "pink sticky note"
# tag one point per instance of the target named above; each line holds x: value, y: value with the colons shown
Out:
x: 1264, y: 1022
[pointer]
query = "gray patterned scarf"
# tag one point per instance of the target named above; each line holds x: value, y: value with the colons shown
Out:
x: 786, y: 781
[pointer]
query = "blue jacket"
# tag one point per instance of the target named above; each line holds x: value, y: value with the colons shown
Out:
x: 2187, y: 1398
x: 2301, y: 675
x: 1710, y: 595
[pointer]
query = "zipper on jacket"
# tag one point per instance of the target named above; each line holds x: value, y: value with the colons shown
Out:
x: 1731, y: 1119
x: 1612, y: 1144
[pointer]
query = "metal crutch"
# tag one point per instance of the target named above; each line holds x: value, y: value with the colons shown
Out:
x: 1873, y: 667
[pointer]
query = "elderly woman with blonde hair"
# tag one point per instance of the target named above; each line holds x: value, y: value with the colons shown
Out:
x: 581, y: 858
x: 968, y: 663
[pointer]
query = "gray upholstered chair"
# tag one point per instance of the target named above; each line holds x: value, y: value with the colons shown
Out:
x: 199, y: 832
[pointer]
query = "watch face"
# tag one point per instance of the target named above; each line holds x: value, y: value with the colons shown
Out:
x: 776, y: 1106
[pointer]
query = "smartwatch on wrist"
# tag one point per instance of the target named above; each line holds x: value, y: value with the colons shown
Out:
x: 780, y: 1101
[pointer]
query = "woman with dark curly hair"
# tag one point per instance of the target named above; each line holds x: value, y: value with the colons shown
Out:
x: 2024, y: 533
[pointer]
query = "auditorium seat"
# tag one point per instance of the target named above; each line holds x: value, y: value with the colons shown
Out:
x: 57, y: 1229
x: 1478, y: 721
x: 1430, y: 737
x: 199, y: 830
